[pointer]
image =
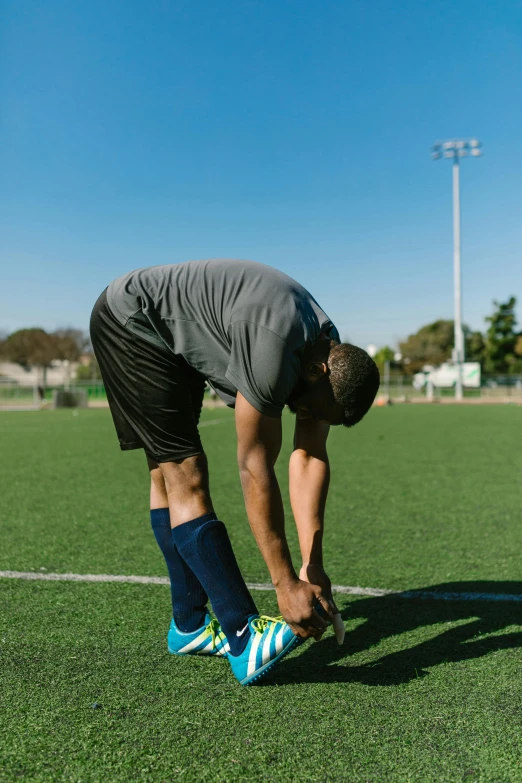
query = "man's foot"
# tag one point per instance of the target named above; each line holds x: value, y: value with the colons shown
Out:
x: 207, y: 640
x: 270, y: 640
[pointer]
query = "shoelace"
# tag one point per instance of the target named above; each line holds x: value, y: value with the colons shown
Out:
x: 260, y: 624
x: 214, y: 629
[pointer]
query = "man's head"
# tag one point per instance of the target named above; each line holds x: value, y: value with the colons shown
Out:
x: 338, y: 383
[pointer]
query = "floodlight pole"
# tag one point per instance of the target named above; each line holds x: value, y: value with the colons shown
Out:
x: 455, y: 150
x: 457, y: 279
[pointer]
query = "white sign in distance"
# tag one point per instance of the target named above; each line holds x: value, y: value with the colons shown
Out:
x: 445, y: 376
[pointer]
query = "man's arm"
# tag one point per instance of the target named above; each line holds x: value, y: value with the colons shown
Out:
x: 259, y: 443
x: 309, y: 482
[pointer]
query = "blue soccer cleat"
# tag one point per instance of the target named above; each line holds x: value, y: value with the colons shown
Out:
x: 270, y: 640
x: 207, y: 640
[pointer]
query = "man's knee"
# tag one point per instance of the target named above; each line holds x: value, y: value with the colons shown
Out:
x: 191, y: 474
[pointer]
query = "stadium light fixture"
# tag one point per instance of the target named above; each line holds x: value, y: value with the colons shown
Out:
x: 455, y: 149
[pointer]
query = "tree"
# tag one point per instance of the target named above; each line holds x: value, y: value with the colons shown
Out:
x: 89, y: 371
x: 76, y: 345
x: 475, y: 345
x: 501, y: 345
x: 518, y: 345
x: 28, y: 347
x: 432, y: 344
x: 383, y: 355
x: 70, y: 344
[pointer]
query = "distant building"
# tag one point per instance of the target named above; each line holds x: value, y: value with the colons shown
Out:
x: 58, y: 374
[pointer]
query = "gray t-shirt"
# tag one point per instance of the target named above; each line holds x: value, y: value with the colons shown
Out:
x: 242, y: 325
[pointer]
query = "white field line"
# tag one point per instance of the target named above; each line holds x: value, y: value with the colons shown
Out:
x: 375, y: 592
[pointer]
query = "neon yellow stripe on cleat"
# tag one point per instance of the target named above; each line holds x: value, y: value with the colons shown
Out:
x: 266, y: 644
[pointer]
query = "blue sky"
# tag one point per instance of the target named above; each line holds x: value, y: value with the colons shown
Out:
x: 289, y: 132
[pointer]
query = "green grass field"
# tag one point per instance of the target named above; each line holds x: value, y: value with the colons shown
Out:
x: 422, y: 497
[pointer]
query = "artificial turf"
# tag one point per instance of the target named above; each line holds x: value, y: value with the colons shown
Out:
x: 421, y: 498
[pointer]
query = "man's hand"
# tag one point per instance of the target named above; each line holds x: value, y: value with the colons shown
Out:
x: 316, y: 575
x: 297, y: 601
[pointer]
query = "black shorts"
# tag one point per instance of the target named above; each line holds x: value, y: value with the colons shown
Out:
x: 154, y: 396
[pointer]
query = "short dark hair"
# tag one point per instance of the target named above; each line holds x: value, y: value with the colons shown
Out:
x: 354, y: 379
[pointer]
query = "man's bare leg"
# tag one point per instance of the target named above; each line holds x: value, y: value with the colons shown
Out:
x: 183, y: 486
x: 189, y: 599
x: 202, y: 542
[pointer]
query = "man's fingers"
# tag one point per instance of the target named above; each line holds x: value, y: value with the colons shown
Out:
x: 318, y: 622
x: 298, y: 631
x: 331, y: 602
x: 328, y: 606
x: 329, y: 597
x: 305, y: 633
x: 311, y: 627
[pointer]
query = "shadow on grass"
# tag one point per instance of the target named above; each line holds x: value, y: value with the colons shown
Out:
x: 398, y: 616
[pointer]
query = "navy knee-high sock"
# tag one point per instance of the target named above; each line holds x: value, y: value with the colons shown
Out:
x: 189, y: 599
x: 204, y: 544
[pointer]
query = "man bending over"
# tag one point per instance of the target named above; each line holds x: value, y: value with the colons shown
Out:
x: 262, y: 342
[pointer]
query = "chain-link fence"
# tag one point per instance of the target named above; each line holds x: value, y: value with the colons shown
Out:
x: 494, y: 388
x: 15, y: 396
x: 20, y: 397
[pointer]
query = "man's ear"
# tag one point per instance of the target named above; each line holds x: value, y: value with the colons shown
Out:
x: 316, y: 370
